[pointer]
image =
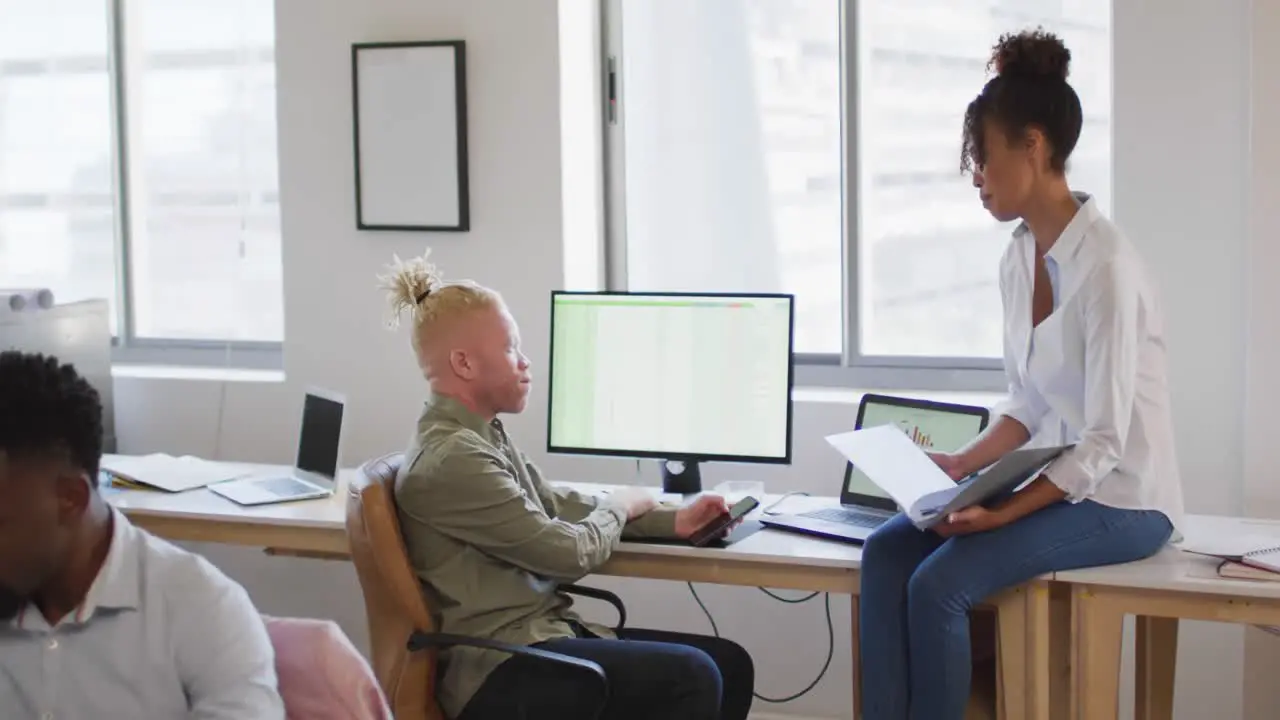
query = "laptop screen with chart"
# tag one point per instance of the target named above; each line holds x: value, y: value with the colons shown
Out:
x: 936, y: 427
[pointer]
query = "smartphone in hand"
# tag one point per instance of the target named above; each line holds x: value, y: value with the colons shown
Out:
x: 716, y: 529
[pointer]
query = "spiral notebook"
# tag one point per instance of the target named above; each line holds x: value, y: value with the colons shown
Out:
x: 1261, y: 552
x: 1263, y: 559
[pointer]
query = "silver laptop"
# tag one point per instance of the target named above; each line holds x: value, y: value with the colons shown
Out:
x: 315, y: 473
x: 944, y: 427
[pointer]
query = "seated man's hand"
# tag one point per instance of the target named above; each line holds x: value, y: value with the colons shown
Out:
x: 701, y: 511
x: 636, y: 501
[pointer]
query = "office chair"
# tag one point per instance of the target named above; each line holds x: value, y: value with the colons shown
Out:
x: 403, y: 634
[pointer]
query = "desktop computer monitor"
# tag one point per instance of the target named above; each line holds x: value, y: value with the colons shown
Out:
x: 680, y: 377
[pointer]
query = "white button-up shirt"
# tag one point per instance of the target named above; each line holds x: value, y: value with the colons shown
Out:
x: 161, y: 635
x: 1094, y: 372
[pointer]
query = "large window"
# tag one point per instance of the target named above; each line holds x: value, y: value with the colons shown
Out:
x: 812, y: 147
x: 138, y: 163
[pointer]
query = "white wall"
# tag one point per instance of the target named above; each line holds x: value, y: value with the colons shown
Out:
x: 1182, y: 112
x: 1181, y: 184
x: 1261, y: 452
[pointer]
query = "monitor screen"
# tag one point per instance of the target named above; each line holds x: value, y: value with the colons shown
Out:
x: 934, y: 430
x: 321, y: 435
x: 673, y: 376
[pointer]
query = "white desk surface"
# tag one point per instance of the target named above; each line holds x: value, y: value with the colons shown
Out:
x: 201, y: 504
x: 1176, y: 571
x: 768, y: 546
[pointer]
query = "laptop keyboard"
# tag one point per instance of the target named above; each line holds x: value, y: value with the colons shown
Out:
x: 846, y: 516
x: 285, y: 487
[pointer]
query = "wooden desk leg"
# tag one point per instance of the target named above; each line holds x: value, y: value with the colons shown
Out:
x: 1038, y: 650
x: 1011, y: 646
x: 1022, y: 685
x: 855, y: 647
x: 1097, y: 638
x: 1060, y: 647
x: 1156, y: 665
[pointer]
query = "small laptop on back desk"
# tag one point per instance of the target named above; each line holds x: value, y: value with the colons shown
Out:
x: 315, y: 472
x: 937, y: 426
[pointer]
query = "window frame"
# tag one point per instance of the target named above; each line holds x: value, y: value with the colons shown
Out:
x: 127, y: 346
x: 851, y: 368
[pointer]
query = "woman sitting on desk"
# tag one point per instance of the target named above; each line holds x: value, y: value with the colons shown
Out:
x: 1084, y: 354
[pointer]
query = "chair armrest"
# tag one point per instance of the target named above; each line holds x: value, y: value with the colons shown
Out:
x: 422, y: 641
x: 598, y: 594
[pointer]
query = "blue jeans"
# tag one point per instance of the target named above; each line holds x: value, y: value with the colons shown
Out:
x: 653, y: 675
x: 918, y: 588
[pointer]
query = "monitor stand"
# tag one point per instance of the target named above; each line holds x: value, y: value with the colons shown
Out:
x: 681, y: 477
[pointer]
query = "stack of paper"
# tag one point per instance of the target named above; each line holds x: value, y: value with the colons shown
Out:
x: 166, y: 472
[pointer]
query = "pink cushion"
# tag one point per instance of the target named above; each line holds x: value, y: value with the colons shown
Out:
x: 321, y: 674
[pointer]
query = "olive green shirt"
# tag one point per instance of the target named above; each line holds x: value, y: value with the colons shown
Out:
x: 492, y: 541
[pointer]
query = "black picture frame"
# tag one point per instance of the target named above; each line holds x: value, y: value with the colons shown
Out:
x: 390, y: 70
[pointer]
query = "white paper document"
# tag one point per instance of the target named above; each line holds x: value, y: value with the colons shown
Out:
x: 914, y: 481
x: 1230, y: 547
x: 165, y: 472
x: 893, y: 462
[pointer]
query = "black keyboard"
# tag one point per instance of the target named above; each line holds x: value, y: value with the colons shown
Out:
x: 846, y: 516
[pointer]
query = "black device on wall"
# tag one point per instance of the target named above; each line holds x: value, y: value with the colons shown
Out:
x: 409, y: 103
x: 684, y: 378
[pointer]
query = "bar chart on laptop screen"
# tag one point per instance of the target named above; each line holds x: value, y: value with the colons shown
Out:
x: 923, y: 439
x: 933, y: 430
x: 930, y: 429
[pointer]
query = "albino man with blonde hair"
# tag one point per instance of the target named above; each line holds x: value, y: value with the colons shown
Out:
x: 493, y: 542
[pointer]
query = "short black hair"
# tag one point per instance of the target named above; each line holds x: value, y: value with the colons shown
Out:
x: 47, y: 408
x: 1030, y: 89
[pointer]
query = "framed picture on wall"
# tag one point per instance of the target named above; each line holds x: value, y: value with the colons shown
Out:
x: 410, y: 122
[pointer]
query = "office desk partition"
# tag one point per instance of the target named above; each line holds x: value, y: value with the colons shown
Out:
x: 768, y: 558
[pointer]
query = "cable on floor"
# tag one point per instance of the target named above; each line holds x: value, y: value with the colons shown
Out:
x: 789, y: 601
x: 831, y: 638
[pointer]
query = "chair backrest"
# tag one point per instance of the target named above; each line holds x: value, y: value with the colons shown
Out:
x: 393, y: 596
x: 322, y: 676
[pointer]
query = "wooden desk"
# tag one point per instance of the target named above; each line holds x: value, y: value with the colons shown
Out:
x: 1159, y: 591
x: 316, y: 528
x: 310, y: 527
x: 769, y: 558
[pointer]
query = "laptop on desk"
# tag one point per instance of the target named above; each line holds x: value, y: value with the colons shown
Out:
x: 936, y: 426
x: 315, y: 472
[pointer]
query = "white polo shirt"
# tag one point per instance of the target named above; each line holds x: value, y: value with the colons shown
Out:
x: 161, y: 635
x: 1094, y: 372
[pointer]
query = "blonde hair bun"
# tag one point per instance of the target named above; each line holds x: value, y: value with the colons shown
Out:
x: 417, y: 286
x: 408, y: 283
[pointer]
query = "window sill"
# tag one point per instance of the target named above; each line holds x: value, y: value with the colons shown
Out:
x: 800, y: 394
x: 182, y: 372
x: 980, y: 382
x: 853, y: 396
